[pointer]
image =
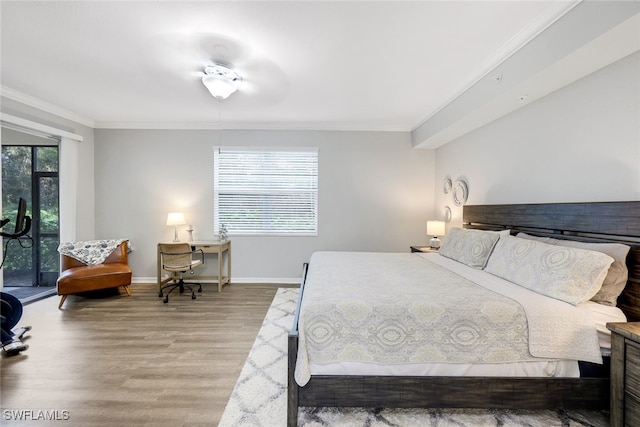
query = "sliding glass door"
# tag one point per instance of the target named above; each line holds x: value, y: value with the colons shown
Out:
x: 46, y: 219
x: 31, y: 262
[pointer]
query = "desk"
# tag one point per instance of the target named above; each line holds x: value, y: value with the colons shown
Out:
x: 208, y: 247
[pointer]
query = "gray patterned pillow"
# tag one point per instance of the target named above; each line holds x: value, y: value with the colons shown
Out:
x: 537, y: 238
x: 470, y: 247
x: 568, y: 274
x: 617, y: 276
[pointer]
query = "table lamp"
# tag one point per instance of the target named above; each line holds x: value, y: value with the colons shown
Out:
x: 435, y: 229
x: 175, y: 219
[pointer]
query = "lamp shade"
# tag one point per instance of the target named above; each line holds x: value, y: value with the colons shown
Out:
x: 175, y: 218
x: 435, y: 228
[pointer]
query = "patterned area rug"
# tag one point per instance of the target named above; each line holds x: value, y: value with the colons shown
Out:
x: 259, y: 396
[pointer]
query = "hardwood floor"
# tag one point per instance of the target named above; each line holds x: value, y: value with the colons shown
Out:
x: 115, y: 360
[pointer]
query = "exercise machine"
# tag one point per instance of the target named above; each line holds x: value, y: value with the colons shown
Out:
x: 22, y: 227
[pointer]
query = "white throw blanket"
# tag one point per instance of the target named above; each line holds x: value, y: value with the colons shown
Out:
x: 401, y: 308
x: 90, y: 252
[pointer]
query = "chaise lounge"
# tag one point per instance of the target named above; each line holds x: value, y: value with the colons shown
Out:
x: 78, y: 276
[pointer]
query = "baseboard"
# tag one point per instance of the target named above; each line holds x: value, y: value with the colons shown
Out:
x: 239, y: 280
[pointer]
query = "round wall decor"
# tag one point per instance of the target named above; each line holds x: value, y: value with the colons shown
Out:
x: 447, y: 185
x: 447, y: 214
x: 460, y: 193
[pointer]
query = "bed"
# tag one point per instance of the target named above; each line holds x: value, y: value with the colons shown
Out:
x: 550, y: 378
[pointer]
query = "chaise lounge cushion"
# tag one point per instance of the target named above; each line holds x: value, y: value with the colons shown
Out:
x: 93, y: 277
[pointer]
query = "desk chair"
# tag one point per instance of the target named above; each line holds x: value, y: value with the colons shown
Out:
x: 179, y: 258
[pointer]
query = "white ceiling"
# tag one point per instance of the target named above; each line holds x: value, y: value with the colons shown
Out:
x: 364, y: 65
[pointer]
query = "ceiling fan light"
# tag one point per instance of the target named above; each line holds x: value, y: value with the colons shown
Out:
x: 221, y: 81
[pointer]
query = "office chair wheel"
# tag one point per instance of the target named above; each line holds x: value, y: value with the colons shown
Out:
x: 160, y: 295
x: 200, y: 289
x: 166, y: 299
x: 193, y: 296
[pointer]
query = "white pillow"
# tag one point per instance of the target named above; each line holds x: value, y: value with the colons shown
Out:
x: 506, y: 232
x: 617, y: 275
x: 536, y: 238
x: 470, y: 247
x: 568, y: 274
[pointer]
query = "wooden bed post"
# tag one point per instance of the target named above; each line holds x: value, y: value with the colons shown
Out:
x: 292, y: 387
x: 292, y: 355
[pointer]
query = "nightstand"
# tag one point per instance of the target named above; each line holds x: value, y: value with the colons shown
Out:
x: 625, y: 374
x: 423, y: 249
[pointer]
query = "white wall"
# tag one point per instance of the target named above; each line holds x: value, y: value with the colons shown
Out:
x: 578, y: 144
x: 375, y: 194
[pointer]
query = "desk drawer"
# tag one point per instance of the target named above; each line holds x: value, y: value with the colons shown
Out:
x: 212, y: 248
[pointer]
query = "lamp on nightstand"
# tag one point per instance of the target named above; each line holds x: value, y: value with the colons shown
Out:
x: 175, y: 219
x: 435, y: 229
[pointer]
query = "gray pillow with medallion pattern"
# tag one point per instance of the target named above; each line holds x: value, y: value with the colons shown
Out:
x: 470, y: 247
x: 568, y: 274
x: 537, y: 238
x: 618, y: 274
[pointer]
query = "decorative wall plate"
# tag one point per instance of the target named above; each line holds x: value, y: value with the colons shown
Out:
x: 460, y: 193
x: 447, y: 185
x: 447, y: 214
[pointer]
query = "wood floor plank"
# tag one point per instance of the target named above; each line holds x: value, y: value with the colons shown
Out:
x: 109, y: 359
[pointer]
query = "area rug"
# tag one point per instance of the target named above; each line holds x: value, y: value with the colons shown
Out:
x: 259, y: 397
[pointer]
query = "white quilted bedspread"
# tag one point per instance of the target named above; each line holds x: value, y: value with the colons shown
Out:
x: 400, y: 308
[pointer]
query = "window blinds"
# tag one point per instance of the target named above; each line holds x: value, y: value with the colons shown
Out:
x: 263, y: 191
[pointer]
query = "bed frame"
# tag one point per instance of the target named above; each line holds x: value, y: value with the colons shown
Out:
x: 590, y: 222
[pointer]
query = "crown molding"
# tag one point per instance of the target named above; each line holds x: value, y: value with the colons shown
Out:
x: 45, y: 106
x: 23, y: 125
x: 299, y: 126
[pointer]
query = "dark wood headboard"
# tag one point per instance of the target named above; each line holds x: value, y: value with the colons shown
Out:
x: 589, y: 222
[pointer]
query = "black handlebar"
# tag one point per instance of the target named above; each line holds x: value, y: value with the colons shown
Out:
x: 25, y: 230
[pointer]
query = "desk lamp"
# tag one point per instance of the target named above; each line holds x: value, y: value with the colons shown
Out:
x: 175, y: 219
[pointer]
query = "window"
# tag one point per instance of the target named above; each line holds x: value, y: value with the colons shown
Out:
x: 260, y: 191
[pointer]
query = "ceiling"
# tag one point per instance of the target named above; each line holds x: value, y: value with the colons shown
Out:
x: 362, y: 65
